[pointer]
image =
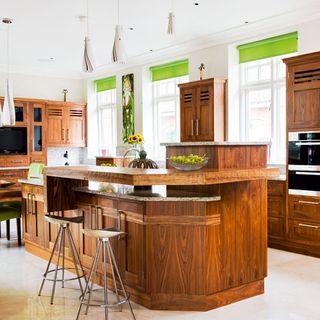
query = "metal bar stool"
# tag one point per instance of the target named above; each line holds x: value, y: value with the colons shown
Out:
x: 104, y: 236
x: 64, y: 230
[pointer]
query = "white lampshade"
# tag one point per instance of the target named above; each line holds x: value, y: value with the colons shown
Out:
x: 8, y: 114
x: 171, y: 24
x: 88, y: 61
x: 118, y: 51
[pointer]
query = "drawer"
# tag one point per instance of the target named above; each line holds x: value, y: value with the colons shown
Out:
x: 85, y: 198
x: 275, y: 206
x: 304, y: 208
x: 14, y: 161
x: 106, y: 203
x: 36, y: 191
x: 275, y: 227
x: 276, y: 187
x: 13, y: 174
x: 37, y: 159
x: 131, y: 206
x: 304, y: 231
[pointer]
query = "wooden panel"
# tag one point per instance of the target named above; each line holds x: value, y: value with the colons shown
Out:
x: 187, y: 114
x: 276, y: 187
x: 14, y: 161
x: 275, y: 227
x: 275, y: 206
x: 56, y: 132
x: 307, y: 208
x: 13, y: 174
x: 76, y: 135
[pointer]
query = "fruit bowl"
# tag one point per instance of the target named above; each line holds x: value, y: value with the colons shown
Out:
x: 188, y: 166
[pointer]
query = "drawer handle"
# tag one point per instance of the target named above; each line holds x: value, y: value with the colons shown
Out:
x: 8, y: 174
x: 192, y: 128
x: 308, y: 226
x: 308, y: 202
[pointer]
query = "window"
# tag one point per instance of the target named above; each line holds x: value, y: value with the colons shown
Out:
x: 166, y: 114
x: 263, y: 104
x: 107, y: 121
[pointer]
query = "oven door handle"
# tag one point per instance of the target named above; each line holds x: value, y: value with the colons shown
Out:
x: 308, y: 173
x: 308, y: 143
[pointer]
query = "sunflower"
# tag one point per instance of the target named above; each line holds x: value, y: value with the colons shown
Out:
x: 140, y: 139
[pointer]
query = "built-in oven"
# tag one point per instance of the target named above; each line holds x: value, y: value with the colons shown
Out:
x: 304, y: 162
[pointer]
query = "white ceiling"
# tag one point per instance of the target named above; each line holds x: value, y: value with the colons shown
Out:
x: 46, y: 28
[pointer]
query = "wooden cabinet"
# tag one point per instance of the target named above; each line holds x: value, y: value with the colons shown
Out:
x: 21, y: 110
x: 66, y: 124
x: 303, y: 92
x: 33, y: 214
x: 13, y: 175
x: 276, y: 209
x: 202, y: 110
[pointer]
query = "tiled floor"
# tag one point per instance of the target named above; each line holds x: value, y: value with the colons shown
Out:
x: 292, y: 293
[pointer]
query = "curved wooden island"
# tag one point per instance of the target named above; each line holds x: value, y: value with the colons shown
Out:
x: 196, y: 243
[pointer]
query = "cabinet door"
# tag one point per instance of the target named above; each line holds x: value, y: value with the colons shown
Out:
x: 187, y: 114
x: 204, y: 117
x: 76, y: 135
x: 55, y: 126
x: 38, y: 133
x: 304, y: 97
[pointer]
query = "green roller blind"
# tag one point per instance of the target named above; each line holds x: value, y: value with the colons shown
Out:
x: 170, y: 70
x: 105, y: 84
x: 267, y: 48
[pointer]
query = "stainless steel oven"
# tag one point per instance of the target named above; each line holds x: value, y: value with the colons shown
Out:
x: 304, y: 163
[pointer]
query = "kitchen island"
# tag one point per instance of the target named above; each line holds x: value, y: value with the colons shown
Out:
x: 195, y: 241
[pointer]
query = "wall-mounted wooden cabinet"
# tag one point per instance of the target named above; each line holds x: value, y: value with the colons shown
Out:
x: 303, y: 92
x: 202, y: 110
x: 66, y: 124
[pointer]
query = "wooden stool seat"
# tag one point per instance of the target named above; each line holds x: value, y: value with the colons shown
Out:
x: 63, y: 220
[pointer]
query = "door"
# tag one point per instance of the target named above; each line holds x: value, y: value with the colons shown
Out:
x: 187, y: 114
x: 56, y: 118
x: 76, y: 135
x: 38, y: 133
x: 204, y: 117
x: 304, y: 97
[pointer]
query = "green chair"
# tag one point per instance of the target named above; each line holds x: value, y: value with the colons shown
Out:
x: 11, y: 210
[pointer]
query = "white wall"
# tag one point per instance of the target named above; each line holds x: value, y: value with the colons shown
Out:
x: 40, y: 87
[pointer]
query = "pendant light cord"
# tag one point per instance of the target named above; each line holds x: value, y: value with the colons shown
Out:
x: 8, y: 53
x: 118, y: 11
x: 87, y: 18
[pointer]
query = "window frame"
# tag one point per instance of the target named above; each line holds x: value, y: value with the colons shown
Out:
x: 156, y: 112
x: 108, y: 106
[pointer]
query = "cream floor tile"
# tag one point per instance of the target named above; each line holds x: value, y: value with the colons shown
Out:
x: 292, y: 292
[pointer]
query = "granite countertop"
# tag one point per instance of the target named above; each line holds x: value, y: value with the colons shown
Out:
x: 156, y: 193
x: 34, y: 182
x: 215, y: 143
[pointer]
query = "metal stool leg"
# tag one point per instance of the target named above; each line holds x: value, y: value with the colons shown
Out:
x: 105, y: 289
x: 114, y: 280
x: 72, y: 251
x: 57, y: 265
x: 49, y: 263
x: 63, y: 253
x: 113, y: 260
x: 86, y: 290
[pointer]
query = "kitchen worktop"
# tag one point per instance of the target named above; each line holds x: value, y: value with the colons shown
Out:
x: 215, y: 143
x: 155, y: 193
x: 149, y: 177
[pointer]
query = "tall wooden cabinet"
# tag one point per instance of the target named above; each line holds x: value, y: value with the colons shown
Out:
x: 303, y: 92
x: 202, y: 110
x: 66, y: 123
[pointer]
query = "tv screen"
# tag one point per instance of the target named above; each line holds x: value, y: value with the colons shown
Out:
x: 13, y: 141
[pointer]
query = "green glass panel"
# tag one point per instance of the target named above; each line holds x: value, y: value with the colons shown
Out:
x: 170, y: 70
x: 268, y: 48
x: 106, y: 84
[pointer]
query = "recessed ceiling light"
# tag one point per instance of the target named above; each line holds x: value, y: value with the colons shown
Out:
x: 246, y: 22
x: 151, y: 50
x: 131, y: 28
x: 49, y: 59
x: 196, y: 3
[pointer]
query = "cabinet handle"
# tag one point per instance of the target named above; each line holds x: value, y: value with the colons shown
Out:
x: 33, y: 204
x: 16, y: 161
x: 308, y: 226
x: 192, y: 129
x: 308, y: 173
x: 62, y: 134
x: 68, y: 136
x: 308, y: 202
x: 197, y: 127
x: 99, y: 213
x: 29, y: 204
x: 8, y: 174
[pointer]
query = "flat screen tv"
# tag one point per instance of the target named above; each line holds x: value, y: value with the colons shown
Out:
x: 13, y: 141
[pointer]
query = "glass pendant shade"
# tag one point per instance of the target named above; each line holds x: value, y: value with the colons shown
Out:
x: 88, y: 62
x: 118, y: 51
x: 8, y: 113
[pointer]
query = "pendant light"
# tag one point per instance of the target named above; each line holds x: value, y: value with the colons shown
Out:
x: 8, y: 114
x: 118, y: 51
x: 171, y: 22
x: 88, y: 61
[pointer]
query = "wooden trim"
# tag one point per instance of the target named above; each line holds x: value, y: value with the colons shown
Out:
x: 183, y: 220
